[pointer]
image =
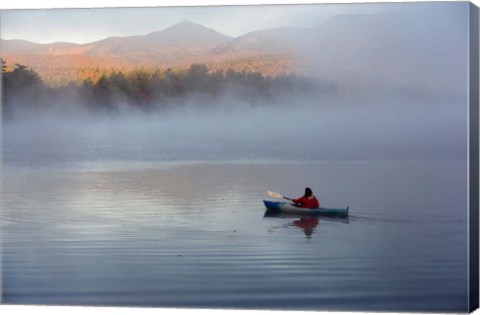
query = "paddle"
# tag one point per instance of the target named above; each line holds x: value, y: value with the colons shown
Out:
x: 277, y: 195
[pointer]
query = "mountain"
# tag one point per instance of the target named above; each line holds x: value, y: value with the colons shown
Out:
x: 177, y: 46
x: 183, y: 37
x: 408, y: 51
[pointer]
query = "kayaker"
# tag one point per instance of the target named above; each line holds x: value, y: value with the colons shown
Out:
x: 308, y: 200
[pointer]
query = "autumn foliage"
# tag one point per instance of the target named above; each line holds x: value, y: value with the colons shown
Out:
x: 150, y: 89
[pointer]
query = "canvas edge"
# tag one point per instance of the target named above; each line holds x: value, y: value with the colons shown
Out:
x: 473, y: 158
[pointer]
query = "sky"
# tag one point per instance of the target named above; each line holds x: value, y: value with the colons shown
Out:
x: 90, y: 24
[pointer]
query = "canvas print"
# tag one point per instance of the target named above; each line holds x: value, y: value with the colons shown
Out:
x: 281, y: 157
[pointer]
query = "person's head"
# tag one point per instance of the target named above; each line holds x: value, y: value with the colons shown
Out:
x: 308, y: 192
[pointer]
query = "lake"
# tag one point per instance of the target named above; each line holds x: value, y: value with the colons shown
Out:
x: 108, y: 219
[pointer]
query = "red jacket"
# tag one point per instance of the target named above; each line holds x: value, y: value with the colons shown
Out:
x: 307, y: 202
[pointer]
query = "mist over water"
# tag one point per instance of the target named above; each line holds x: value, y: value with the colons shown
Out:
x: 327, y: 129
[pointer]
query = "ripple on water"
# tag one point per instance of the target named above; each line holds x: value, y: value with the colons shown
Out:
x: 195, y: 235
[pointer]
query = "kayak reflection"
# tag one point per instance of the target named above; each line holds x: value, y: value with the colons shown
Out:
x: 307, y: 223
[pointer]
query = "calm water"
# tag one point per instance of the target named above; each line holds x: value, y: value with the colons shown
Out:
x: 88, y: 226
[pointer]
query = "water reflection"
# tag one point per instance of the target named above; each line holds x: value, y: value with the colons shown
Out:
x: 307, y: 223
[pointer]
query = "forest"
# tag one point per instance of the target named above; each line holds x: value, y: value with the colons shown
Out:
x: 151, y: 89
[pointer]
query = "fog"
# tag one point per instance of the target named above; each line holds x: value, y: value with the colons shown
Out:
x: 383, y: 86
x: 305, y: 130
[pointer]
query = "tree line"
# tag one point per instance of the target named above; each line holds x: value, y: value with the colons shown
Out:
x: 151, y: 89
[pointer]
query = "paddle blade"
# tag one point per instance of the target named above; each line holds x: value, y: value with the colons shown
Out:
x: 274, y: 194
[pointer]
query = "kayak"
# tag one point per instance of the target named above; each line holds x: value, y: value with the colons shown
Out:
x: 291, y: 208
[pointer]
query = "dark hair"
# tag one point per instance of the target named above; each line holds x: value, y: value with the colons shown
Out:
x: 308, y: 192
